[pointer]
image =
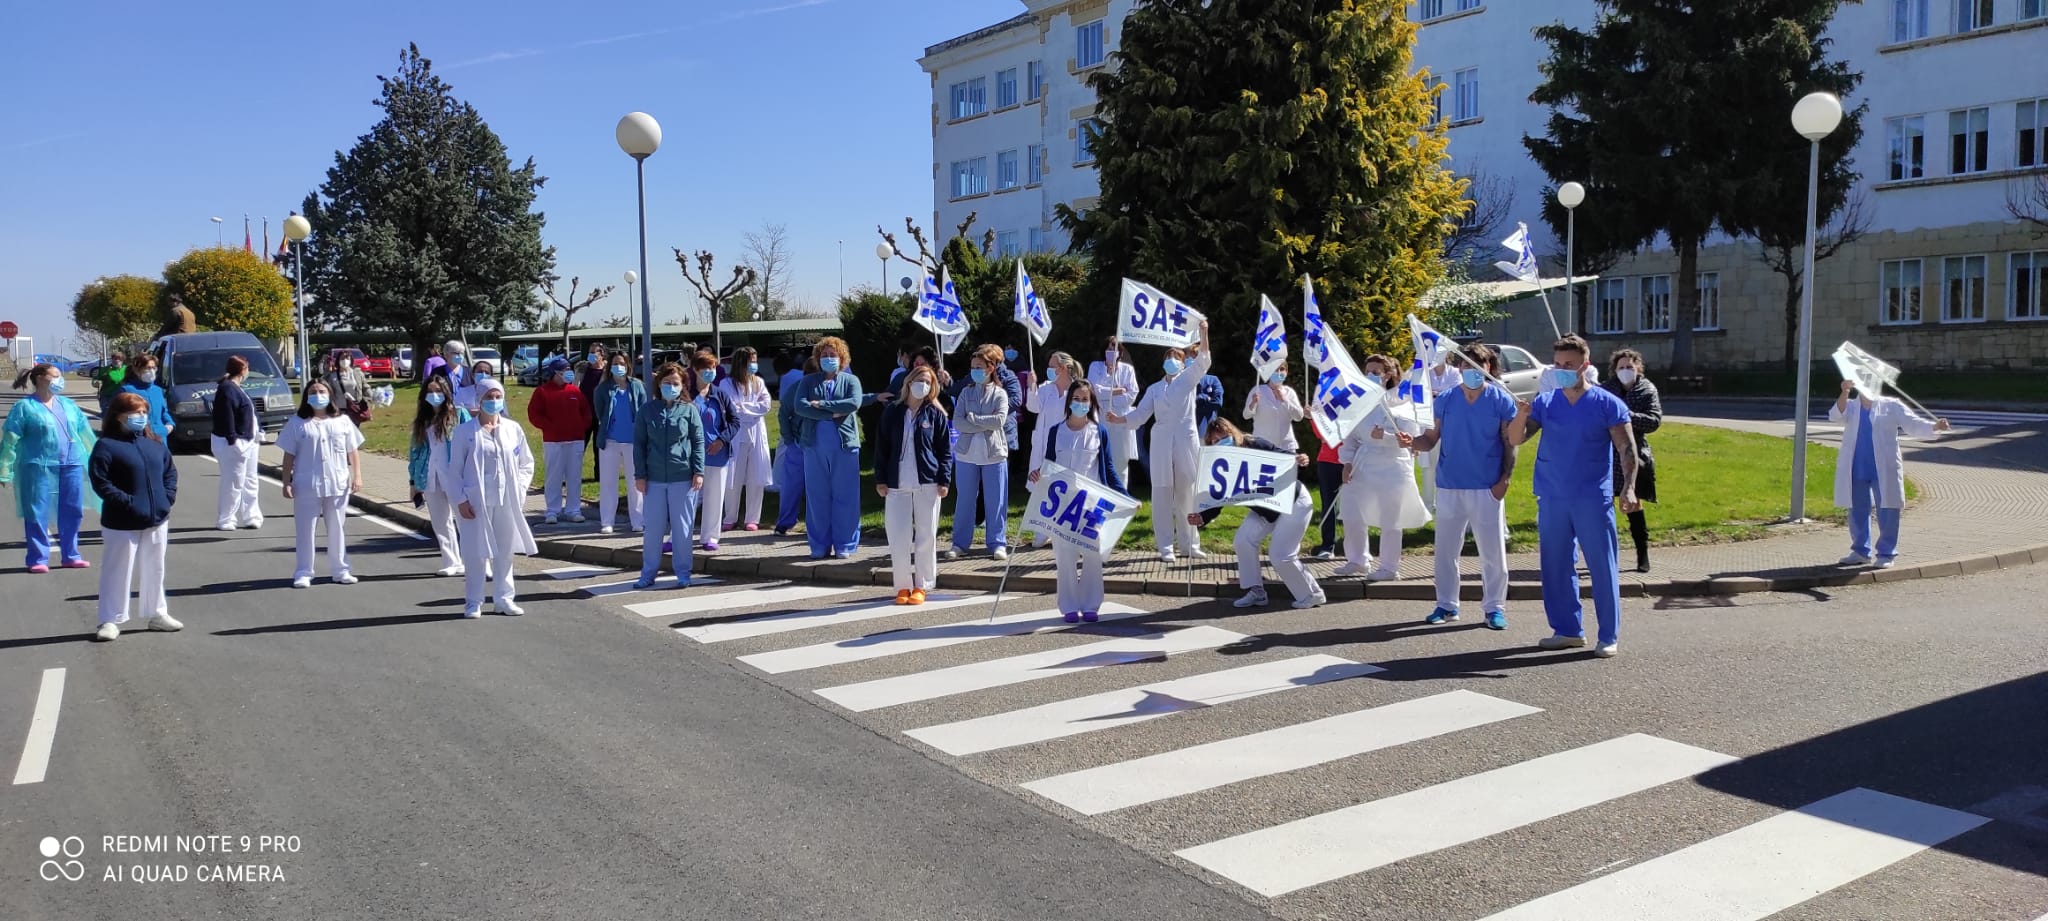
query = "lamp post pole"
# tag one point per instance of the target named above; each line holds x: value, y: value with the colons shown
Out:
x: 639, y: 135
x: 1815, y: 117
x: 296, y: 229
x: 1571, y: 195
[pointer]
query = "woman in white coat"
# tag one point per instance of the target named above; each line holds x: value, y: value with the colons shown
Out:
x: 431, y: 464
x: 1379, y: 481
x: 1116, y: 385
x: 751, y: 472
x: 1176, y: 447
x: 321, y: 470
x: 1273, y: 408
x: 1873, y: 477
x: 493, y: 471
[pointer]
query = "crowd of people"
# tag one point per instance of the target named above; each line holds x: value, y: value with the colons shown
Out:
x: 687, y: 454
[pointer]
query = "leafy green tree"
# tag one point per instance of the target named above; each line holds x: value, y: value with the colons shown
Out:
x: 122, y: 308
x: 1247, y: 143
x: 231, y: 289
x: 1676, y: 116
x: 874, y: 324
x: 425, y: 226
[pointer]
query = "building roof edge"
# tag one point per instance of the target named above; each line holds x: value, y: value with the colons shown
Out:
x: 1019, y: 20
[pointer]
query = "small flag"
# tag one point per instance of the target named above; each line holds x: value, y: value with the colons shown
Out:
x: 1343, y: 394
x: 1150, y: 316
x: 1524, y: 266
x: 939, y: 311
x: 1314, y: 351
x: 248, y: 243
x: 1030, y: 310
x: 1869, y: 374
x: 1269, y: 339
x: 266, y: 234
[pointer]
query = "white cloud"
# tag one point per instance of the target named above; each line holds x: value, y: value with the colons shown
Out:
x: 496, y: 57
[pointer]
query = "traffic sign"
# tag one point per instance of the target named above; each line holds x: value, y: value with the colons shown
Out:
x: 8, y: 330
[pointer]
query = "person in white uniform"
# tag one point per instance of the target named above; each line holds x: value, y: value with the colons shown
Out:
x: 1048, y: 402
x: 751, y: 472
x: 322, y: 468
x: 1871, y: 481
x: 493, y: 470
x: 237, y: 437
x: 432, y: 466
x: 1079, y: 444
x: 1477, y: 465
x: 132, y: 474
x: 913, y: 471
x: 1285, y: 529
x: 1273, y: 408
x: 1116, y: 381
x: 1379, y: 481
x: 1176, y: 447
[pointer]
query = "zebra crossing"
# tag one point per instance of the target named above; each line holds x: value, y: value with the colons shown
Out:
x: 935, y: 664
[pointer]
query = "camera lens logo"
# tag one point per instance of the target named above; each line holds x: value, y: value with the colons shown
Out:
x: 70, y: 870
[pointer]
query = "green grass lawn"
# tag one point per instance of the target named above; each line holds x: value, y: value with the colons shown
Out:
x: 2025, y: 387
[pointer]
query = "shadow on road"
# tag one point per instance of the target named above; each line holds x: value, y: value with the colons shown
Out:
x: 349, y: 623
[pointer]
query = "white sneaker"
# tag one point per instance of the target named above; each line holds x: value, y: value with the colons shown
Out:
x: 1166, y: 556
x: 108, y: 633
x: 578, y: 518
x: 1383, y: 575
x: 346, y: 578
x: 1887, y: 562
x: 1607, y: 650
x: 607, y: 529
x: 1855, y: 559
x: 449, y: 571
x: 509, y: 609
x: 1002, y: 553
x: 472, y: 613
x: 303, y: 582
x: 551, y: 519
x: 639, y: 529
x: 1561, y: 642
x: 1326, y: 554
x: 165, y: 623
x: 1197, y: 553
x: 950, y: 555
x: 1316, y: 599
x: 224, y: 527
x: 1350, y: 569
x: 253, y: 523
x: 1256, y: 598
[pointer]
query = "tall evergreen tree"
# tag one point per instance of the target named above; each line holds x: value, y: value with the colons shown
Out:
x: 1246, y: 143
x: 1677, y: 117
x: 425, y: 226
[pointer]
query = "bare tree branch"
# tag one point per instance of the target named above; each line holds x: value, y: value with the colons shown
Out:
x: 716, y: 295
x: 571, y: 306
x: 767, y: 253
x: 2026, y: 198
x: 1786, y: 255
x: 1490, y: 202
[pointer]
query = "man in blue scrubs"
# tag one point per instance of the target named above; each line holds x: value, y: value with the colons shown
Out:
x: 1584, y: 429
x: 1472, y: 475
x: 789, y: 468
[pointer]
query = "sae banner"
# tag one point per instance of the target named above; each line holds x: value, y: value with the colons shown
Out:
x: 1870, y: 374
x: 1246, y: 476
x: 1030, y: 309
x: 1072, y: 508
x: 1269, y: 339
x: 1149, y: 316
x: 938, y: 310
x: 1343, y: 395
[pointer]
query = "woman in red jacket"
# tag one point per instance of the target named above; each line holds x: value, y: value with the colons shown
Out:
x: 558, y: 409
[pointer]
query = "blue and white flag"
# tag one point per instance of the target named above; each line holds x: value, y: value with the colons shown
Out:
x: 939, y: 310
x: 1269, y: 339
x: 1524, y: 266
x: 1343, y: 394
x: 1149, y: 316
x: 1072, y: 508
x: 1030, y: 310
x: 1313, y: 350
x: 1412, y: 399
x: 1246, y: 476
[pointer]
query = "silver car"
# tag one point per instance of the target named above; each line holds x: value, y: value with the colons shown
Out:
x: 1520, y: 371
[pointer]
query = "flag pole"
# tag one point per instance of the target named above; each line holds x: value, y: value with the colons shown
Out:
x: 1545, y: 295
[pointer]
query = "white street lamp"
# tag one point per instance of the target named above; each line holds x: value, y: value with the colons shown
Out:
x: 885, y: 252
x: 632, y: 278
x: 297, y: 229
x: 1571, y: 195
x: 219, y: 233
x: 1815, y: 117
x: 639, y: 135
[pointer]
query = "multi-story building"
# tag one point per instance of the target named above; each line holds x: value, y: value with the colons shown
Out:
x: 1943, y: 276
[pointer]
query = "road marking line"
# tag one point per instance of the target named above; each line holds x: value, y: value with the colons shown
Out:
x: 1201, y: 767
x: 580, y: 572
x: 42, y: 729
x: 897, y: 642
x: 386, y: 524
x: 737, y: 600
x: 1761, y: 869
x: 626, y: 587
x: 820, y: 617
x: 995, y: 673
x: 1343, y: 842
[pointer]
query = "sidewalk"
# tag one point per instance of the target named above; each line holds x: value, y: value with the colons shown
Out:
x: 1975, y: 489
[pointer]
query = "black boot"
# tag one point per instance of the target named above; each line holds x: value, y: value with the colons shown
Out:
x: 1639, y: 531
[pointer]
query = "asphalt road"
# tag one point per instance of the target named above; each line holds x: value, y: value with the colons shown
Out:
x: 775, y: 751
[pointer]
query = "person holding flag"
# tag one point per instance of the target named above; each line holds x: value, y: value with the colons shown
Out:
x: 1176, y: 446
x: 1079, y: 443
x: 1286, y: 529
x: 1472, y: 475
x: 1873, y: 480
x: 1273, y: 408
x: 1379, y: 481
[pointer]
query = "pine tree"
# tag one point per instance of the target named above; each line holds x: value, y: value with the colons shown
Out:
x: 426, y: 227
x: 1676, y: 115
x: 1246, y: 143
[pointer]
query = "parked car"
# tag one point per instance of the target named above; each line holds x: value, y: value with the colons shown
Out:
x: 1520, y: 371
x: 403, y: 361
x: 524, y: 358
x: 486, y: 353
x: 190, y: 366
x: 61, y: 363
x: 375, y: 366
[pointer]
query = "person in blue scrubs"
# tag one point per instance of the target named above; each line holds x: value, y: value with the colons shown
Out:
x: 789, y: 465
x: 44, y: 447
x: 826, y: 405
x: 1874, y: 479
x: 1585, y: 429
x: 1472, y: 474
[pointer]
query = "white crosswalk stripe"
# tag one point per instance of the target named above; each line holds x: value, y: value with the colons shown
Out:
x: 736, y: 600
x: 995, y: 673
x: 899, y: 642
x: 789, y: 621
x: 580, y: 572
x: 626, y: 588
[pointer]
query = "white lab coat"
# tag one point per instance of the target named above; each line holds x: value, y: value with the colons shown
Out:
x: 1176, y: 451
x: 1272, y: 417
x: 501, y: 486
x: 1049, y: 402
x: 750, y: 465
x: 1891, y: 418
x: 1123, y: 439
x: 1382, y: 490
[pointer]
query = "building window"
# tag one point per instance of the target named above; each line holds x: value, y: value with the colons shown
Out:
x: 2026, y: 293
x: 970, y: 177
x: 1034, y: 164
x: 1084, y: 148
x: 1613, y: 305
x: 1036, y: 236
x: 1467, y: 89
x: 1034, y: 81
x: 1006, y: 244
x: 1710, y: 301
x: 1464, y: 5
x: 1972, y: 15
x: 1962, y: 289
x: 1905, y: 147
x: 1006, y: 88
x: 1969, y: 141
x: 2030, y: 145
x: 1426, y: 10
x: 1900, y: 280
x: 1006, y: 170
x: 1088, y: 50
x: 2033, y: 9
x: 970, y: 97
x: 1436, y: 100
x: 1656, y: 304
x: 1909, y: 20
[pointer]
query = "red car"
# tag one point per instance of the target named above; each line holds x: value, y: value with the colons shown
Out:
x: 371, y: 367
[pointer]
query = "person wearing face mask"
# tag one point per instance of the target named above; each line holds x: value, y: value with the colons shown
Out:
x: 136, y: 482
x: 448, y: 356
x: 789, y: 464
x: 980, y: 459
x: 594, y: 371
x: 1080, y: 442
x: 430, y: 463
x: 469, y: 389
x: 237, y: 437
x: 1872, y: 480
x: 1379, y: 481
x: 493, y: 470
x: 751, y: 473
x: 913, y: 471
x: 350, y: 386
x: 558, y: 409
x: 43, y: 450
x: 1646, y: 414
x: 321, y: 469
x: 1273, y: 408
x: 1047, y: 404
x: 618, y: 400
x: 1473, y: 470
x: 1286, y: 529
x: 142, y: 381
x: 721, y: 426
x: 1583, y: 427
x: 826, y: 403
x: 1176, y: 447
x: 668, y: 454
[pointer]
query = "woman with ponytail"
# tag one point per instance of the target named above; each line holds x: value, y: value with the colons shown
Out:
x: 44, y: 445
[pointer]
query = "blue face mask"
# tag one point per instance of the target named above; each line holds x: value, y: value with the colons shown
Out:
x: 436, y: 398
x: 671, y: 391
x: 1472, y: 378
x: 494, y: 407
x: 1078, y: 408
x: 707, y: 376
x: 1226, y: 442
x: 618, y: 370
x: 57, y: 384
x: 1564, y: 378
x: 828, y: 365
x: 753, y: 367
x: 1172, y: 366
x: 317, y: 400
x: 137, y: 422
x: 1009, y: 354
x: 1278, y: 377
x: 567, y: 377
x: 1052, y: 373
x: 980, y: 375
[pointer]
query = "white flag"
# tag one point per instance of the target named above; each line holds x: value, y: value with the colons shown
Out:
x: 1524, y: 266
x: 1031, y: 311
x: 1412, y: 399
x: 1246, y: 476
x: 1269, y: 339
x: 1150, y: 316
x: 1864, y: 369
x: 1312, y: 328
x: 1072, y: 508
x: 939, y: 310
x: 1343, y: 395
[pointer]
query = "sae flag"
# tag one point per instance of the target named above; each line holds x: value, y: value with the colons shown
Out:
x: 1314, y: 351
x: 1432, y: 348
x: 1150, y: 316
x: 1269, y: 339
x: 1524, y: 266
x: 1246, y: 476
x: 1869, y: 374
x: 1072, y: 508
x: 1030, y: 310
x: 1343, y: 395
x: 938, y: 310
x: 1412, y: 400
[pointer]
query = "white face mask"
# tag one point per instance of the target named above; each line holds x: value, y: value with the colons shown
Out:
x: 920, y: 389
x: 1627, y: 377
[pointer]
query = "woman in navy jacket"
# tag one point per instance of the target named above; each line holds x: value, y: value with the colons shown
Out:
x: 913, y: 471
x: 132, y: 473
x: 237, y: 436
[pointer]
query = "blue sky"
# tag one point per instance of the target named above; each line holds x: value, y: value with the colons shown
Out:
x: 129, y: 124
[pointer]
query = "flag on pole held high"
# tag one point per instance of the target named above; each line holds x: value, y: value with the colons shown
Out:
x: 1030, y: 310
x: 1343, y: 395
x: 1076, y: 510
x: 248, y: 242
x: 938, y: 310
x: 1149, y: 316
x: 1524, y: 266
x: 1246, y: 476
x: 1312, y: 348
x: 1269, y: 339
x: 1866, y: 371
